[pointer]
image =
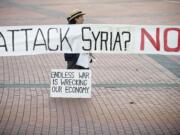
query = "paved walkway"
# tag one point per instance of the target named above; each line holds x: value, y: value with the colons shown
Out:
x: 132, y: 94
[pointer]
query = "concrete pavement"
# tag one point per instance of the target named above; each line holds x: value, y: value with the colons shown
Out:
x: 132, y: 94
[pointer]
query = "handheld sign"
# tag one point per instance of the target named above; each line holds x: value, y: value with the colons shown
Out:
x: 73, y: 83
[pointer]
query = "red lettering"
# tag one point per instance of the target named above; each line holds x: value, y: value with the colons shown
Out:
x: 155, y: 43
x: 166, y: 47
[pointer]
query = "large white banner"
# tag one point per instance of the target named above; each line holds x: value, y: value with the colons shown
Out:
x: 95, y: 38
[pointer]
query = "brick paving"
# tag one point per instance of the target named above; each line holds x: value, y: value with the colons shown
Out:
x: 132, y: 94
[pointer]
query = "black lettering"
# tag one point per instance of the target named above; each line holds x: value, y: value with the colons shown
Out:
x: 104, y: 40
x: 64, y: 82
x: 53, y: 75
x: 66, y: 89
x: 95, y: 39
x: 88, y: 40
x: 13, y: 31
x: 55, y: 81
x: 64, y: 38
x: 3, y: 45
x: 117, y: 40
x: 129, y: 38
x: 111, y: 41
x: 26, y: 35
x: 57, y: 89
x: 48, y: 39
x: 39, y: 44
x: 84, y: 75
x: 69, y: 89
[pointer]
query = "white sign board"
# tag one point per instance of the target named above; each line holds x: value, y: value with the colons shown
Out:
x: 73, y: 83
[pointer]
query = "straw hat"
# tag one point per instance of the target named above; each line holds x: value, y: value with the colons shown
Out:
x: 75, y: 14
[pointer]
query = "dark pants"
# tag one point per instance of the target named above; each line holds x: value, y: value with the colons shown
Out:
x: 71, y: 65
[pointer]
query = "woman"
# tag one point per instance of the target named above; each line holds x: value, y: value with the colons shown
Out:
x: 77, y: 60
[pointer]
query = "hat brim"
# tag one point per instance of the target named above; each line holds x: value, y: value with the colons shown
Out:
x: 74, y: 16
